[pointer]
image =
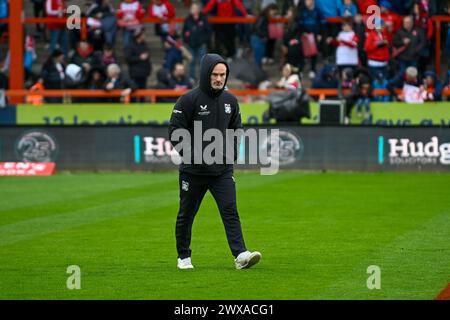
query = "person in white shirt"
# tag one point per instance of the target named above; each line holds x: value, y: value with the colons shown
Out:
x: 347, y: 47
x: 290, y: 79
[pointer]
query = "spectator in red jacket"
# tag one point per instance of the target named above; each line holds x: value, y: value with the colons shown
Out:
x: 225, y: 34
x: 164, y: 10
x: 58, y: 35
x: 129, y: 17
x: 376, y: 47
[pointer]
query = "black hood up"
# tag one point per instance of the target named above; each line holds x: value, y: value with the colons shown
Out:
x: 209, y: 61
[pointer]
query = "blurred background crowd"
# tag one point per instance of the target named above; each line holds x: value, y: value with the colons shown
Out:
x: 358, y: 52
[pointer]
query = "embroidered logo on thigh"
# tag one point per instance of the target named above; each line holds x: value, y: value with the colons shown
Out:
x: 185, y: 185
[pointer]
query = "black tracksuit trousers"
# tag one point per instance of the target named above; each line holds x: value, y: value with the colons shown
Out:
x: 192, y: 190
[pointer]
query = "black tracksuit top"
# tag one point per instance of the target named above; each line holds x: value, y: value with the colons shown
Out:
x: 216, y: 109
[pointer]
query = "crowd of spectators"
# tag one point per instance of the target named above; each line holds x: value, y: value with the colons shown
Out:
x: 361, y: 53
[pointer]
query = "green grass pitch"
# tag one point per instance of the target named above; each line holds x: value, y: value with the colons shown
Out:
x: 318, y: 233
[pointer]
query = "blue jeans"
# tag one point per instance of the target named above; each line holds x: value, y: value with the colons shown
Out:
x: 127, y: 37
x: 363, y: 102
x: 259, y: 49
x: 197, y: 54
x: 109, y: 29
x: 59, y: 37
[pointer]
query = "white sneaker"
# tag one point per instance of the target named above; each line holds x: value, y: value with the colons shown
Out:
x: 185, y: 263
x: 247, y: 259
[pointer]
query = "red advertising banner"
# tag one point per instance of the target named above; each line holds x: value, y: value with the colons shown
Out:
x: 27, y: 168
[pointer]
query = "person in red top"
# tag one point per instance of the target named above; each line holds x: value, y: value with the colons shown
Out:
x: 376, y: 47
x: 129, y: 18
x: 225, y: 34
x: 164, y: 10
x: 58, y: 35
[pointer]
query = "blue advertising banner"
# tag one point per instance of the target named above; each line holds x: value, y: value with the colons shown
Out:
x: 306, y: 148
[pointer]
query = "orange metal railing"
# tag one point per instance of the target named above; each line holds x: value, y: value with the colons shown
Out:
x: 153, y: 94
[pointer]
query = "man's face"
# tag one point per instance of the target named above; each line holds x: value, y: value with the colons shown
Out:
x: 410, y: 78
x: 218, y: 76
x: 113, y: 73
x: 179, y: 70
x: 195, y: 9
x: 84, y: 46
x: 60, y: 59
x: 96, y: 76
x: 407, y: 23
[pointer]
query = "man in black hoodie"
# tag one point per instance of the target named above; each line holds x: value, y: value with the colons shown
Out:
x: 209, y: 107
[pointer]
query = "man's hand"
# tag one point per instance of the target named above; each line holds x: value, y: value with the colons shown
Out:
x: 406, y: 41
x: 126, y: 92
x: 86, y: 66
x: 110, y: 86
x: 144, y: 56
